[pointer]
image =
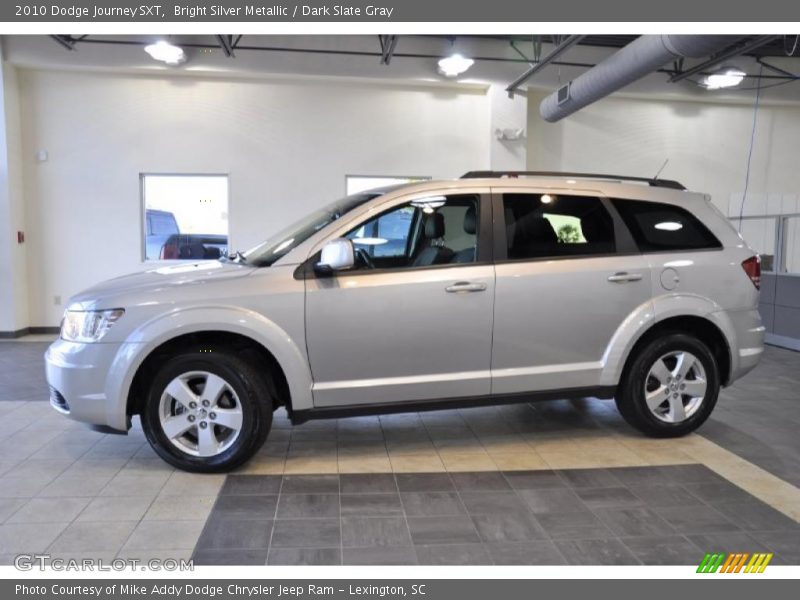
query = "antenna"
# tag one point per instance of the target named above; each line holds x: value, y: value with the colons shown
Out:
x: 661, y: 169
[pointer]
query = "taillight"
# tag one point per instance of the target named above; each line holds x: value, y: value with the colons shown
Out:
x: 169, y: 251
x: 752, y: 266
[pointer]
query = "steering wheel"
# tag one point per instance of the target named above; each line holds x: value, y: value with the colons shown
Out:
x: 364, y: 258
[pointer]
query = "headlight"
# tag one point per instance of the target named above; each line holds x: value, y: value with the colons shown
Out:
x: 88, y: 325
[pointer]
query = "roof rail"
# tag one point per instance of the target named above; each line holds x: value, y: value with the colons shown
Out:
x: 662, y: 183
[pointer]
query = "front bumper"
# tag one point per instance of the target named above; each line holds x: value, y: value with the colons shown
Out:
x: 78, y: 376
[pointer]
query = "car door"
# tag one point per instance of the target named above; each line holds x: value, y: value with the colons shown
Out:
x: 417, y: 325
x: 567, y: 276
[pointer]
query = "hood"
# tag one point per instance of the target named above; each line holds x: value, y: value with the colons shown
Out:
x: 155, y: 285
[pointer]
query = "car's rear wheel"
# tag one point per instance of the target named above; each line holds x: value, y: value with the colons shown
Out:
x: 670, y: 386
x: 207, y: 411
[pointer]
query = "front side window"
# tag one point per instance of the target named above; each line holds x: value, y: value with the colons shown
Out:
x: 430, y: 231
x: 552, y: 225
x: 658, y: 227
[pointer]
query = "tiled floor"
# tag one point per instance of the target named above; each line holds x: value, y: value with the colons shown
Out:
x: 73, y: 492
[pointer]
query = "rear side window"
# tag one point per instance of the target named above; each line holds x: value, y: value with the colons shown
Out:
x: 660, y: 227
x: 550, y: 225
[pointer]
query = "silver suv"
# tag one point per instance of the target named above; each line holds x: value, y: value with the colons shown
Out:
x: 494, y: 288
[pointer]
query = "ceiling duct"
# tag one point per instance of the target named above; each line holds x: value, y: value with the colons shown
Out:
x: 639, y: 58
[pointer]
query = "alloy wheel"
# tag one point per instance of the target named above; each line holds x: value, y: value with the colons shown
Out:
x: 675, y: 386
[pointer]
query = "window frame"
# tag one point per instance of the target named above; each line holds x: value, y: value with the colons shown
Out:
x: 143, y: 210
x: 484, y: 237
x: 623, y: 240
x: 412, y: 179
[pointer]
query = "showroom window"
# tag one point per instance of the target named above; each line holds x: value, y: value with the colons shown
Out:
x: 791, y: 247
x: 425, y: 232
x: 547, y: 225
x: 761, y: 234
x: 660, y: 227
x: 361, y: 183
x: 185, y: 216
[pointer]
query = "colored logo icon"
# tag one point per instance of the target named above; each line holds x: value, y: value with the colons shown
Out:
x: 736, y: 562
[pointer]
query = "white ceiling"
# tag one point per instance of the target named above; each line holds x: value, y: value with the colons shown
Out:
x: 44, y: 52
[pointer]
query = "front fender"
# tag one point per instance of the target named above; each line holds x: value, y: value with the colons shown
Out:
x: 162, y: 328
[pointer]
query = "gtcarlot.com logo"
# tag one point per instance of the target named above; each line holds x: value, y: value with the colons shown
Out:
x: 734, y: 562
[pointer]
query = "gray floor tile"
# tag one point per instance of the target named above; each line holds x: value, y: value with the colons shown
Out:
x: 160, y: 535
x: 431, y: 504
x: 231, y: 557
x: 453, y: 554
x: 589, y: 478
x: 758, y: 516
x: 534, y: 480
x: 298, y: 506
x: 380, y: 555
x: 610, y: 497
x: 539, y: 552
x: 239, y: 485
x: 304, y: 556
x: 226, y: 534
x: 513, y: 526
x: 738, y: 541
x: 19, y: 538
x: 785, y: 544
x: 478, y: 503
x: 360, y: 532
x: 306, y: 533
x: 81, y: 536
x: 126, y: 508
x: 719, y: 493
x: 371, y: 505
x: 668, y: 494
x: 442, y: 530
x: 310, y: 484
x: 634, y: 521
x: 575, y: 525
x: 424, y: 482
x: 697, y: 519
x: 258, y: 507
x: 608, y: 551
x: 638, y: 475
x: 692, y: 473
x: 544, y: 501
x: 49, y: 510
x: 367, y: 483
x: 482, y: 481
x: 9, y: 506
x: 670, y: 550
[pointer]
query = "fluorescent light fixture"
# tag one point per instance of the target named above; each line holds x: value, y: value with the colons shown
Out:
x: 668, y: 226
x: 166, y: 52
x: 724, y: 77
x: 546, y: 198
x: 454, y: 65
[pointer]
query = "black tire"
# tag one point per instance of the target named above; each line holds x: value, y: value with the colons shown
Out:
x: 630, y: 398
x: 254, y: 394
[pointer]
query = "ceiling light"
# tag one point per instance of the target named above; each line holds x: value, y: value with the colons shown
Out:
x: 546, y: 198
x: 166, y: 52
x: 454, y: 65
x: 724, y: 78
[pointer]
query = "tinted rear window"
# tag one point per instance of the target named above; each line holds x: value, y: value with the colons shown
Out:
x: 660, y: 227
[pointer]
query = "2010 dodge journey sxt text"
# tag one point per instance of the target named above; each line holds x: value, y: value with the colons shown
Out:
x: 488, y: 289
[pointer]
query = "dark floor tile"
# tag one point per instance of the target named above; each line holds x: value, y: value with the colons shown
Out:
x: 668, y: 494
x: 442, y: 530
x: 608, y: 551
x: 552, y: 500
x: 310, y: 484
x: 693, y: 473
x: 785, y: 544
x: 534, y: 480
x: 492, y: 502
x: 539, y: 552
x: 573, y: 525
x: 431, y: 504
x: 360, y: 532
x: 727, y: 542
x: 639, y: 475
x: 424, y: 482
x: 697, y: 519
x: 588, y: 478
x: 380, y: 555
x: 719, y: 493
x: 453, y: 554
x: 367, y: 483
x: 246, y: 507
x: 610, y: 497
x: 304, y: 556
x: 514, y: 526
x: 230, y: 557
x: 239, y: 485
x: 482, y: 481
x: 221, y: 533
x: 298, y: 506
x: 670, y: 550
x: 634, y: 521
x: 306, y: 533
x: 371, y: 505
x: 758, y: 516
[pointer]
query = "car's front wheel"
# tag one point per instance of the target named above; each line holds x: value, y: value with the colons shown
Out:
x: 670, y: 386
x: 207, y: 411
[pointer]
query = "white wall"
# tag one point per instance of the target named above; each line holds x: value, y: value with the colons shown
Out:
x: 286, y: 144
x: 706, y: 144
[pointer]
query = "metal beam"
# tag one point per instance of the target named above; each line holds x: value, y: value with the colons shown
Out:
x: 226, y: 43
x: 388, y: 44
x: 737, y: 50
x: 778, y: 70
x: 560, y: 48
x: 65, y: 41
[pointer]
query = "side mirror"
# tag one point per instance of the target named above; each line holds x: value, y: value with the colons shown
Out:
x: 337, y: 255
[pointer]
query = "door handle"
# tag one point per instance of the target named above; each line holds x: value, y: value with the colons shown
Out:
x: 465, y: 286
x: 625, y: 277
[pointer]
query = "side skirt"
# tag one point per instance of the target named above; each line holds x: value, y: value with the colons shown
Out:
x: 386, y: 408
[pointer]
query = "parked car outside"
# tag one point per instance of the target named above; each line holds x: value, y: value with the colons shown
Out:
x: 499, y: 288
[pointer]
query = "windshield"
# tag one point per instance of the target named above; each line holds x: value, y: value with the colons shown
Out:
x: 285, y: 241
